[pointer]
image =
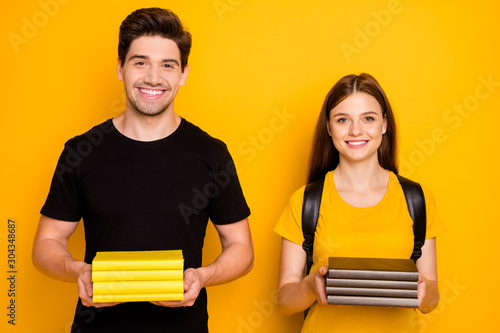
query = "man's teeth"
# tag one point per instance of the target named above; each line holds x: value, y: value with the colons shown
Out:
x: 357, y: 143
x: 151, y: 92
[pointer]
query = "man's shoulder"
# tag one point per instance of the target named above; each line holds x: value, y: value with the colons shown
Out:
x: 199, y: 136
x: 94, y: 136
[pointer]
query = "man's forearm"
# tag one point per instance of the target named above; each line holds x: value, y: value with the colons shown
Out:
x: 235, y: 261
x: 52, y: 258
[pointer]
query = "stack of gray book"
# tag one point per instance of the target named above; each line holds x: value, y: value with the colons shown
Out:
x: 372, y: 281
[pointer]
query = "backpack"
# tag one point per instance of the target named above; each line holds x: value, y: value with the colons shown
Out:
x: 310, y: 212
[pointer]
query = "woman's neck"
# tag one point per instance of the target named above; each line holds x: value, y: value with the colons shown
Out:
x: 361, y: 185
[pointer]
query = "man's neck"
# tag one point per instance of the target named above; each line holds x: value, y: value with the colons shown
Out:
x: 146, y: 128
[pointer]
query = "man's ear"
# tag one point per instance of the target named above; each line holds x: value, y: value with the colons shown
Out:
x: 119, y: 70
x: 184, y: 76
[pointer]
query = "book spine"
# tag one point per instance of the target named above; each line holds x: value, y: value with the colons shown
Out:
x: 373, y: 301
x: 138, y: 287
x: 372, y: 274
x: 387, y: 284
x: 137, y: 275
x: 138, y: 297
x: 137, y: 265
x: 342, y: 291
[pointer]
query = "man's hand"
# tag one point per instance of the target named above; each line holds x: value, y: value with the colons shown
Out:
x: 193, y: 283
x: 85, y: 289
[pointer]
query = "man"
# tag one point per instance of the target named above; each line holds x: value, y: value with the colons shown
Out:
x: 146, y: 180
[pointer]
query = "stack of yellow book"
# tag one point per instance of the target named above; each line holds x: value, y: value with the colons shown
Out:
x: 138, y: 276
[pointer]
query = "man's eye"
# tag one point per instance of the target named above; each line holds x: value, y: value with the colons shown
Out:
x: 140, y: 63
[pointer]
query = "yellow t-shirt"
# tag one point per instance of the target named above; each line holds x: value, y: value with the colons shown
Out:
x: 381, y: 231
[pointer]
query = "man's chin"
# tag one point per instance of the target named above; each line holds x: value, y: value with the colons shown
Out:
x: 150, y: 112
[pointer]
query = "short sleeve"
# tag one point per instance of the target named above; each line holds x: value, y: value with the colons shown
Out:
x: 289, y: 225
x: 435, y: 226
x: 228, y: 204
x: 63, y: 200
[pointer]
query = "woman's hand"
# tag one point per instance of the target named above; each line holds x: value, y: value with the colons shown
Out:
x: 428, y: 294
x: 316, y: 282
x: 296, y: 292
x: 427, y: 290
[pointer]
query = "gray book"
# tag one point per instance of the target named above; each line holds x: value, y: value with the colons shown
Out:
x: 385, y: 284
x: 373, y: 301
x: 372, y: 269
x: 346, y: 291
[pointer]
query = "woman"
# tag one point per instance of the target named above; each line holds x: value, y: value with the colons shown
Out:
x: 363, y: 213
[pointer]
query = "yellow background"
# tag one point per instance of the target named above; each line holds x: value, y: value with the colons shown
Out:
x: 252, y: 61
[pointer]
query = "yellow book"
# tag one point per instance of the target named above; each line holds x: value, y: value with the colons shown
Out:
x: 138, y: 298
x: 138, y: 287
x: 138, y: 260
x: 138, y: 275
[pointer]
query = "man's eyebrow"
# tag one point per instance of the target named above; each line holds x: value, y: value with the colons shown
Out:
x: 138, y: 56
x: 171, y: 60
x: 144, y: 57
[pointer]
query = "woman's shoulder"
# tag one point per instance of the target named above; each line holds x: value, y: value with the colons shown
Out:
x: 400, y: 178
x: 297, y: 196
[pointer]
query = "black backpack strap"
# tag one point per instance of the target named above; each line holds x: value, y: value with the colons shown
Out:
x: 416, y: 207
x: 310, y: 215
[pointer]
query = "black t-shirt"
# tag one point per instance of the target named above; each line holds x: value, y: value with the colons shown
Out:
x: 135, y: 195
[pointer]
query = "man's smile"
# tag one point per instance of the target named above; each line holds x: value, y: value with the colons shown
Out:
x: 151, y: 93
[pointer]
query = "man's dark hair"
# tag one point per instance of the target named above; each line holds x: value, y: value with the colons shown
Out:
x: 154, y: 22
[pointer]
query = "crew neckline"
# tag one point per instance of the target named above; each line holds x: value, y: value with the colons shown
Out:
x: 344, y: 203
x: 168, y: 137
